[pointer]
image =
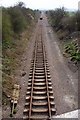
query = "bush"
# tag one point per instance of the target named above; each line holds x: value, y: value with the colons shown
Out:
x: 15, y: 20
x: 7, y: 31
x: 62, y: 20
x: 57, y: 16
x: 69, y: 23
x: 18, y: 20
x: 78, y: 20
x: 74, y: 52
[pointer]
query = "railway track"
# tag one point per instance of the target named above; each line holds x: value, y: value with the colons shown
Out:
x: 39, y: 97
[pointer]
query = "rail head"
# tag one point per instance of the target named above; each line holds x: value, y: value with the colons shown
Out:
x: 32, y: 81
x: 46, y: 81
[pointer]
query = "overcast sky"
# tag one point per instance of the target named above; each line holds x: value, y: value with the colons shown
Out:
x: 43, y: 4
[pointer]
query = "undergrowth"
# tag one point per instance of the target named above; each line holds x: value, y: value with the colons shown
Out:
x: 18, y: 22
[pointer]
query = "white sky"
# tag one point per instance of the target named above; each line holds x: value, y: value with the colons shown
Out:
x: 43, y: 4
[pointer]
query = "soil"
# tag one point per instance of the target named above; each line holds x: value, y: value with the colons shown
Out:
x: 65, y: 81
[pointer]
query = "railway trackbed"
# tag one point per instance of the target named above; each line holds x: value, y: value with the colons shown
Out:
x: 39, y: 102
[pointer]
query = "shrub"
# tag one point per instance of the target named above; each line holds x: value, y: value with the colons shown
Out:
x: 56, y: 16
x: 7, y: 31
x: 18, y: 20
x: 69, y: 23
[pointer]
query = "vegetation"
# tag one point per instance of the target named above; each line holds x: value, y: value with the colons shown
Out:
x: 67, y: 26
x: 15, y: 21
x: 73, y: 51
x: 60, y: 19
x: 56, y: 17
x: 17, y: 25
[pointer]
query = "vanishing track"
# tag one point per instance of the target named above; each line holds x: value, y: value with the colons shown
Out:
x: 39, y: 97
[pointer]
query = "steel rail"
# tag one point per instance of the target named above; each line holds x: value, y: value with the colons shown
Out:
x: 35, y: 74
x: 43, y: 47
x: 32, y: 82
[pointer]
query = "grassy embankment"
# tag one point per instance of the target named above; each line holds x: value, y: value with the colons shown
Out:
x: 67, y: 27
x: 17, y: 25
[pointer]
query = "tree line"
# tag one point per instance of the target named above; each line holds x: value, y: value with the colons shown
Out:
x: 67, y: 26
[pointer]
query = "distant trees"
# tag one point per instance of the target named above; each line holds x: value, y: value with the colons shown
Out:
x: 56, y: 16
x: 60, y: 19
x: 21, y: 4
x: 69, y: 23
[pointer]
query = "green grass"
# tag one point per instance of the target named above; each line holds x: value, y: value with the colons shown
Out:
x: 74, y: 52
